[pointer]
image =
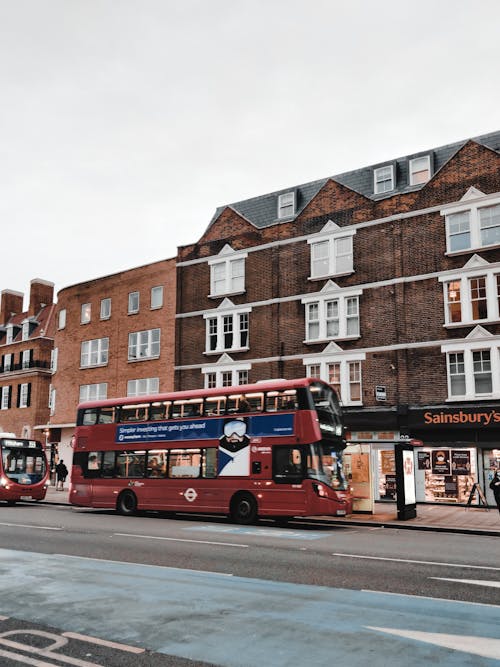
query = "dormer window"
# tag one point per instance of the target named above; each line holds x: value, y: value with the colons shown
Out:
x: 286, y: 205
x: 420, y: 170
x: 383, y: 179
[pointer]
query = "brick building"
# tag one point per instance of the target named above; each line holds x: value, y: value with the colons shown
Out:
x: 114, y: 337
x: 26, y: 343
x: 385, y: 282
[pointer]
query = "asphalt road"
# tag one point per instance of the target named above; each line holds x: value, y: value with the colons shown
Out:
x: 310, y: 582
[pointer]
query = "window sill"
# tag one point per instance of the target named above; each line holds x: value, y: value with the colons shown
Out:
x: 467, y: 251
x: 473, y: 323
x: 134, y: 360
x: 211, y: 353
x: 83, y: 368
x: 328, y: 276
x: 225, y: 294
x: 320, y: 341
x: 468, y: 399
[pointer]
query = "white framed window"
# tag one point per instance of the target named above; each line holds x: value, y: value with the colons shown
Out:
x: 286, y: 205
x: 143, y: 387
x: 332, y: 314
x: 24, y: 395
x: 94, y: 352
x: 133, y: 303
x: 420, y: 170
x: 144, y: 345
x: 105, y: 312
x: 341, y: 370
x: 93, y: 392
x: 61, y: 319
x: 6, y: 397
x: 473, y: 295
x: 227, y: 276
x: 472, y: 225
x: 25, y: 330
x: 331, y: 252
x: 7, y: 361
x: 226, y: 373
x: 473, y: 366
x: 85, y: 313
x: 227, y: 328
x: 52, y: 400
x: 383, y: 179
x: 9, y: 334
x: 156, y: 297
x: 54, y: 355
x: 26, y: 358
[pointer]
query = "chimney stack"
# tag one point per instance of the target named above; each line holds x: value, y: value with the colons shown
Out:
x: 10, y: 303
x: 41, y: 294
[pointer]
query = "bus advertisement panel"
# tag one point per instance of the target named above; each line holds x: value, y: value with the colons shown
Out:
x: 23, y: 469
x: 269, y: 449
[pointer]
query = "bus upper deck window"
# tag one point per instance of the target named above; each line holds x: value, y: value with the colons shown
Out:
x: 89, y: 417
x: 159, y: 410
x: 215, y: 405
x: 134, y: 413
x: 256, y: 401
x: 106, y: 415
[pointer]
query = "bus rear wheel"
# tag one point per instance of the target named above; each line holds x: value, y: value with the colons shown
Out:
x: 127, y: 503
x: 244, y: 509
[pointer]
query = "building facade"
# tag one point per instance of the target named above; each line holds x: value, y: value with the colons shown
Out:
x: 26, y: 343
x: 383, y: 281
x: 114, y: 337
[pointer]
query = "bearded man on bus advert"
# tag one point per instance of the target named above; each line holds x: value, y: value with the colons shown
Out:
x: 234, y: 449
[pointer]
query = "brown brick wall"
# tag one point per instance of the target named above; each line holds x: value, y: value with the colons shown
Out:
x: 69, y: 376
x: 394, y: 314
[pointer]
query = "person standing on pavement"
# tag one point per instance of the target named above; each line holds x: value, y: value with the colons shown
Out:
x: 495, y: 487
x: 61, y: 474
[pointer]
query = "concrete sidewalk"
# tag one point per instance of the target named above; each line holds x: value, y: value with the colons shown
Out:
x: 444, y: 518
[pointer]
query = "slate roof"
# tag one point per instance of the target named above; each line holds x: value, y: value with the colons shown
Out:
x: 261, y: 211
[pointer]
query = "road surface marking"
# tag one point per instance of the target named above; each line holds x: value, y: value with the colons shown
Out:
x: 486, y: 647
x: 287, y: 533
x: 58, y: 643
x: 420, y: 562
x: 103, y: 642
x: 146, y: 565
x: 431, y: 599
x: 478, y: 582
x: 178, y: 539
x: 25, y: 525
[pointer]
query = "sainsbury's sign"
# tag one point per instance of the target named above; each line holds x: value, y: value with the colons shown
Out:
x: 463, y: 417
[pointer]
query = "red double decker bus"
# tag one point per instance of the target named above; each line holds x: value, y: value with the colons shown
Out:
x: 269, y: 449
x: 24, y: 471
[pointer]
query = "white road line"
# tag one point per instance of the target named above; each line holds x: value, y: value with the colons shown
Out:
x: 124, y: 562
x: 26, y: 660
x: 103, y: 642
x: 25, y: 525
x: 420, y: 562
x: 486, y: 647
x: 178, y: 539
x: 477, y: 582
x: 432, y: 599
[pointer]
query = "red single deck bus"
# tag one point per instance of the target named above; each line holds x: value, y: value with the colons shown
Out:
x: 23, y: 469
x: 269, y: 449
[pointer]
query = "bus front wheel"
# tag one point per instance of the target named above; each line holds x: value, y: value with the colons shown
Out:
x: 127, y: 503
x: 244, y: 509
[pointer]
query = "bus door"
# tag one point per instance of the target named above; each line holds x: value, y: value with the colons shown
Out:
x: 289, y: 471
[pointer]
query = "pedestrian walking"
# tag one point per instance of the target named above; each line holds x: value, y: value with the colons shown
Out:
x: 495, y: 487
x: 61, y: 474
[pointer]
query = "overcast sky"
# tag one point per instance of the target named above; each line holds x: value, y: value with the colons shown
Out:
x: 124, y: 124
